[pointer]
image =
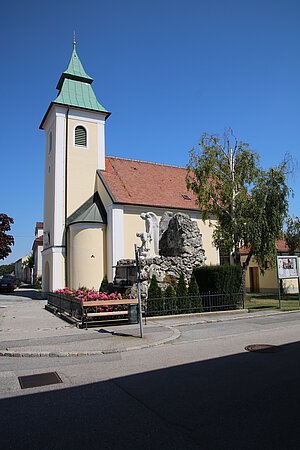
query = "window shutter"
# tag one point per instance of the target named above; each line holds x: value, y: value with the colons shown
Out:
x: 80, y: 136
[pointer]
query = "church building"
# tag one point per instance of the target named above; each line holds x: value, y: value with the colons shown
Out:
x: 93, y: 202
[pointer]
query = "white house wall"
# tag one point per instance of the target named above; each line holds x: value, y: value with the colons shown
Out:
x: 115, y: 228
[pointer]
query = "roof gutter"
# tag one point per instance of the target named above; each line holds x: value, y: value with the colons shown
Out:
x: 112, y: 197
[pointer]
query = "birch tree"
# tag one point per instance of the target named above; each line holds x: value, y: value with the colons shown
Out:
x: 249, y: 203
x: 292, y: 234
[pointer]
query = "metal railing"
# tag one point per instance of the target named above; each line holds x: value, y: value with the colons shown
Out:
x: 163, y: 306
x: 205, y: 302
x: 70, y: 307
x: 65, y: 305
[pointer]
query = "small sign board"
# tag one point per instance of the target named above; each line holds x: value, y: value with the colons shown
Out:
x: 287, y: 267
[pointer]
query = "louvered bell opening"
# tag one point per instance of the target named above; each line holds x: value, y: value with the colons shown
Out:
x: 80, y: 136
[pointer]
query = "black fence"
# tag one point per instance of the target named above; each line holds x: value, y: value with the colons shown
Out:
x: 205, y: 302
x: 72, y: 310
x: 65, y: 305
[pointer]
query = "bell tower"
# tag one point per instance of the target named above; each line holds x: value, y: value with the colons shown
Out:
x: 74, y: 126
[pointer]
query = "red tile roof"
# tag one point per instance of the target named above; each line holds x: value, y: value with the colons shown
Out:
x: 144, y: 183
x: 281, y: 246
x: 244, y: 250
x: 36, y: 242
x: 38, y: 226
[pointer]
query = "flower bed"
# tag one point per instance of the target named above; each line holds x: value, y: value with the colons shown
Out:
x: 88, y: 295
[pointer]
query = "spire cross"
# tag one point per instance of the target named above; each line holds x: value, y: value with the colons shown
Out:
x: 74, y: 42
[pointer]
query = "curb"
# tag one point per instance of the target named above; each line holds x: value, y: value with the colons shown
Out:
x: 175, y: 335
x: 243, y: 315
x: 203, y: 314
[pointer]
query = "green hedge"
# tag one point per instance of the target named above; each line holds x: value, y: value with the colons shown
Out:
x: 220, y: 279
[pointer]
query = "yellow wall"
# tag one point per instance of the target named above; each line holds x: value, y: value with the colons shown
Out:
x: 86, y: 255
x: 133, y: 223
x: 211, y: 252
x: 269, y: 282
x: 82, y: 164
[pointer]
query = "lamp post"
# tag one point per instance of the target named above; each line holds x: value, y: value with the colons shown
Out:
x: 137, y: 264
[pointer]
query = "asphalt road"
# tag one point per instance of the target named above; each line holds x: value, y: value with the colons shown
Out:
x: 203, y: 391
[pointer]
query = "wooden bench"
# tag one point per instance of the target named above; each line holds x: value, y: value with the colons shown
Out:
x: 88, y: 304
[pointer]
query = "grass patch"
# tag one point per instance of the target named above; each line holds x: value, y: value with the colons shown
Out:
x: 263, y: 302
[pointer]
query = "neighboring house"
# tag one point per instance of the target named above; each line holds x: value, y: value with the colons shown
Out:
x: 93, y: 202
x: 37, y: 249
x: 257, y: 282
x: 22, y: 272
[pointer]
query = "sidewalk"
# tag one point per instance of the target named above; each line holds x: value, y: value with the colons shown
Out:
x: 28, y: 330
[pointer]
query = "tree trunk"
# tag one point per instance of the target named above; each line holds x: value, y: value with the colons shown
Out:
x: 244, y: 271
x: 237, y: 252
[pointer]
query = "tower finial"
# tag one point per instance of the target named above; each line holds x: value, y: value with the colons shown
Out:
x: 74, y: 42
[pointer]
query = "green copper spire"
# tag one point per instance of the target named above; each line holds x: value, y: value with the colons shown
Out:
x: 75, y: 86
x: 74, y: 70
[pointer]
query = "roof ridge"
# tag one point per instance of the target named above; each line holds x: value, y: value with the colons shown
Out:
x: 147, y: 162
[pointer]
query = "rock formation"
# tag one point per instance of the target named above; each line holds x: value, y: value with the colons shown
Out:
x: 180, y: 250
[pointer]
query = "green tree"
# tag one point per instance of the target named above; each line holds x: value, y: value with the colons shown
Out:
x: 250, y: 204
x: 29, y: 262
x: 170, y: 300
x: 6, y: 240
x: 183, y: 302
x: 6, y: 268
x: 292, y: 234
x: 193, y: 288
x: 181, y: 290
x: 155, y: 304
x: 194, y: 295
x: 103, y: 285
x: 169, y: 291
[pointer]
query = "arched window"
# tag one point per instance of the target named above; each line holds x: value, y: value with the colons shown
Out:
x: 80, y: 136
x: 50, y: 143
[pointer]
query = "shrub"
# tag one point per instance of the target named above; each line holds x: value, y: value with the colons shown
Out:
x: 221, y: 279
x: 183, y: 302
x: 154, y: 289
x: 104, y: 284
x: 193, y: 289
x: 181, y: 290
x: 154, y: 305
x: 194, y: 294
x: 169, y: 291
x: 170, y: 300
x: 38, y: 283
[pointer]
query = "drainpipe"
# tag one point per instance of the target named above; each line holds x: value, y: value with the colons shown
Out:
x: 66, y: 204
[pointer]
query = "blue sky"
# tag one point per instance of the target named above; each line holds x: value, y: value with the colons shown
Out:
x: 167, y: 70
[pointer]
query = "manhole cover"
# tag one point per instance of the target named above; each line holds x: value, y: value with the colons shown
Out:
x: 40, y: 379
x: 263, y: 348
